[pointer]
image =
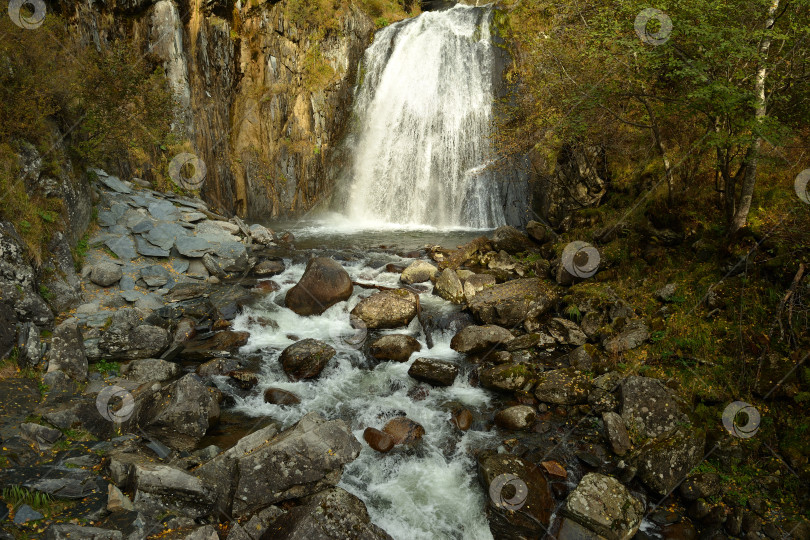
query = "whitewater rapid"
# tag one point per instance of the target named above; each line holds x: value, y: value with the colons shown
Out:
x: 425, y: 494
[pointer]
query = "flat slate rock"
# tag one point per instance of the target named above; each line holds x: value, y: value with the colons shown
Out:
x: 163, y: 235
x: 230, y: 250
x: 180, y: 265
x: 164, y: 211
x: 193, y: 246
x: 25, y: 513
x: 143, y: 226
x: 114, y: 183
x: 123, y: 247
x: 146, y: 249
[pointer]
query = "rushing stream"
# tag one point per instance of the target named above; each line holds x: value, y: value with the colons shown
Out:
x: 429, y: 493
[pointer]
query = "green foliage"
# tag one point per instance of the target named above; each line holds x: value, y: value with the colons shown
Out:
x: 16, y: 496
x: 105, y: 366
x: 585, y: 76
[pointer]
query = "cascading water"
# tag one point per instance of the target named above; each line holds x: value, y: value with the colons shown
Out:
x: 423, y: 111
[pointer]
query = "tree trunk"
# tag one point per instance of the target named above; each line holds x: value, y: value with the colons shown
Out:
x: 662, y: 151
x: 752, y: 155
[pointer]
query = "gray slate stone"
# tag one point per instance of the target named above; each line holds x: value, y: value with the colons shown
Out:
x: 115, y: 184
x: 164, y: 211
x: 147, y: 249
x: 193, y: 246
x: 155, y: 275
x: 123, y: 247
x: 24, y: 514
x: 602, y: 504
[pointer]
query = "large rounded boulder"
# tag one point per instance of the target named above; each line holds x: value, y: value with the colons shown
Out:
x: 387, y: 309
x: 324, y: 284
x: 306, y: 359
x: 396, y: 347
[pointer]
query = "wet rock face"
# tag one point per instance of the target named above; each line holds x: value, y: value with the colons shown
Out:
x: 603, y: 505
x: 306, y: 359
x: 396, y: 347
x: 387, y: 309
x: 434, y: 372
x: 404, y: 431
x: 519, y: 502
x: 324, y: 284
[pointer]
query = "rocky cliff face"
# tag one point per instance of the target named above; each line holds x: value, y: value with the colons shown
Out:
x: 260, y: 98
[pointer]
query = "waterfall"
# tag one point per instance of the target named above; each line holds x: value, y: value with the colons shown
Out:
x: 423, y: 115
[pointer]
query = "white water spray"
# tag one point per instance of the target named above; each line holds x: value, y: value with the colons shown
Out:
x: 424, y: 117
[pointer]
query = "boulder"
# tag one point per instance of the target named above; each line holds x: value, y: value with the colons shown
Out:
x: 41, y: 435
x: 462, y: 419
x: 264, y: 467
x: 151, y: 369
x: 277, y: 396
x: 387, y: 309
x: 603, y: 505
x: 129, y: 337
x: 261, y: 234
x: 106, y: 273
x: 178, y: 414
x: 67, y: 352
x: 516, y: 418
x: 511, y: 240
x: 378, y: 440
x: 332, y: 514
x: 562, y: 386
x: 324, y: 284
x: 155, y: 275
x: 226, y: 341
x: 475, y: 284
x: 538, y: 232
x: 701, y: 486
x: 268, y: 268
x: 67, y: 531
x: 306, y: 359
x: 159, y: 488
x: 434, y: 372
x: 519, y: 501
x: 566, y: 332
x: 396, y: 347
x: 633, y: 335
x: 418, y: 272
x: 506, y: 377
x: 616, y: 433
x: 649, y: 409
x: 512, y: 303
x: 477, y: 339
x: 449, y: 287
x: 404, y: 431
x: 664, y: 462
